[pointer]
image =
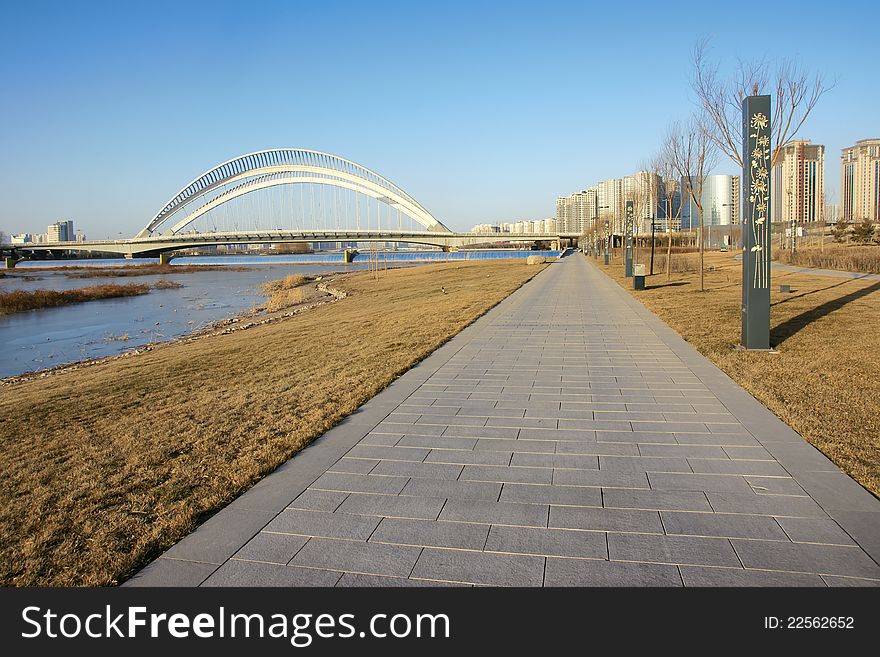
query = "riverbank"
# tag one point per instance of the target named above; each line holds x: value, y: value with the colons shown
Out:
x: 104, y: 467
x: 823, y: 379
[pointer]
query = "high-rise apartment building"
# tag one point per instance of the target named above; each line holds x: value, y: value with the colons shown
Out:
x: 798, y: 186
x: 643, y: 189
x: 576, y: 213
x: 61, y: 231
x: 860, y: 181
x: 720, y: 200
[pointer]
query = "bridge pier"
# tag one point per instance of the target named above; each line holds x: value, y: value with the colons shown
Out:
x: 9, y: 262
x: 349, y: 255
x: 165, y: 257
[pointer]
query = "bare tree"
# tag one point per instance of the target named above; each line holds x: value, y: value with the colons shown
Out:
x: 4, y: 239
x: 795, y: 93
x: 692, y: 152
x: 663, y: 166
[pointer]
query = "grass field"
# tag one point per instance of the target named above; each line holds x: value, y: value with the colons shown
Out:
x: 103, y: 468
x: 823, y: 380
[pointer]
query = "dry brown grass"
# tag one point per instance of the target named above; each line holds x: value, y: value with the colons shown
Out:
x: 285, y: 292
x: 824, y: 380
x: 845, y: 258
x: 20, y: 300
x: 104, y: 467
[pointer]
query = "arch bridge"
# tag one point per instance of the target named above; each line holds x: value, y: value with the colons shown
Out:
x: 287, y: 195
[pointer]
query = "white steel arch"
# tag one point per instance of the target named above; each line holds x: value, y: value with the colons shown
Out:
x: 274, y: 167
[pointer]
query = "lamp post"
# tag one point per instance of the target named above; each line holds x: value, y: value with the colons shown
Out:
x: 606, y: 241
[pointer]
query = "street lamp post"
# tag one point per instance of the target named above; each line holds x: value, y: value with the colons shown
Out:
x: 606, y: 241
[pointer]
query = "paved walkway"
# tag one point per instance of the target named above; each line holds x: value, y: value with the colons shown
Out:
x: 568, y: 438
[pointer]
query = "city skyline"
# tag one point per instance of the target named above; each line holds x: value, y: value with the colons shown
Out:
x: 482, y: 117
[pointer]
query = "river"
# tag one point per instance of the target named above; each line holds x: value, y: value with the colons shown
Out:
x: 49, y: 337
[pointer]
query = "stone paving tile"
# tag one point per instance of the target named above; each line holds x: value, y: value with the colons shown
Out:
x: 424, y: 533
x: 547, y: 542
x: 271, y: 548
x: 513, y: 474
x: 379, y: 581
x: 605, y: 520
x: 413, y: 469
x: 323, y: 523
x: 353, y: 465
x: 654, y: 499
x: 357, y: 483
x: 643, y: 464
x: 740, y: 467
x: 833, y: 580
x: 591, y: 572
x: 712, y: 577
x: 815, y: 530
x: 695, y: 551
x: 600, y: 478
x: 453, y: 490
x: 388, y: 453
x: 480, y: 567
x: 473, y: 457
x: 544, y: 494
x: 358, y: 557
x: 319, y: 500
x: 699, y: 482
x: 722, y: 525
x: 804, y: 557
x: 574, y: 461
x: 250, y: 573
x: 506, y: 513
x: 399, y: 506
x: 770, y: 505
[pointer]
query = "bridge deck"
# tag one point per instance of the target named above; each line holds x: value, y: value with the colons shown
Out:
x: 567, y: 438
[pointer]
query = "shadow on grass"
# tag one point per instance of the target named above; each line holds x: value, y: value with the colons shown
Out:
x: 806, y: 294
x: 791, y: 326
x: 657, y: 287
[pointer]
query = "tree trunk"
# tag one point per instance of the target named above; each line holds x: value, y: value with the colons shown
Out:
x: 702, y: 278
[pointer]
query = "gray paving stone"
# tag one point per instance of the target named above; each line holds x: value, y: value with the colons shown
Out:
x: 507, y: 474
x: 171, y: 572
x: 453, y: 490
x: 480, y: 567
x: 399, y: 506
x: 815, y: 530
x: 605, y: 520
x: 591, y: 572
x: 379, y: 581
x: 322, y: 523
x: 388, y: 453
x: 654, y: 499
x: 805, y: 557
x: 251, y: 573
x: 319, y: 500
x: 643, y: 464
x: 482, y: 432
x: 437, y: 442
x: 727, y: 466
x: 597, y: 449
x: 358, y: 557
x: 353, y: 465
x: 473, y: 457
x: 600, y: 478
x: 722, y: 525
x: 575, y: 461
x: 356, y: 483
x: 508, y: 445
x: 567, y: 435
x: 833, y: 580
x: 413, y: 469
x: 219, y: 537
x: 774, y: 485
x: 551, y: 494
x: 699, y: 482
x: 503, y: 513
x: 683, y: 451
x: 547, y: 542
x: 769, y: 505
x: 271, y: 548
x: 682, y: 550
x: 713, y: 577
x: 423, y: 533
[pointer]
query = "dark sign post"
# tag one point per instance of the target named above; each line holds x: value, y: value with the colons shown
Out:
x: 756, y: 223
x: 628, y: 257
x: 606, y: 241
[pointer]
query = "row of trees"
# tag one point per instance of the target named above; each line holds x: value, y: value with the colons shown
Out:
x: 692, y: 148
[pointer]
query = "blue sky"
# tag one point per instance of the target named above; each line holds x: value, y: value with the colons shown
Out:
x: 482, y: 111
